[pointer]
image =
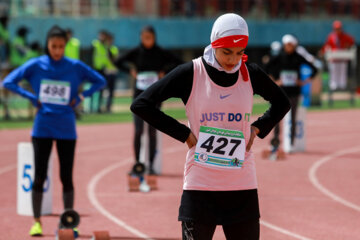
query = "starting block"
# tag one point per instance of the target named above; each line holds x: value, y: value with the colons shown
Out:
x: 136, y: 179
x: 152, y: 181
x: 275, y: 153
x: 69, y: 220
x: 133, y: 182
x: 65, y: 234
x: 100, y: 235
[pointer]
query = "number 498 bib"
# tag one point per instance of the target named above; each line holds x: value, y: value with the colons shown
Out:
x: 55, y: 92
x: 220, y: 147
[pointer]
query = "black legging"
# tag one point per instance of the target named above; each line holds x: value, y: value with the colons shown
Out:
x: 139, y: 129
x: 66, y: 152
x: 249, y: 230
x: 294, y: 101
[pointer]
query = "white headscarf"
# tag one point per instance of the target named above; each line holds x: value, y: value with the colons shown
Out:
x: 225, y: 26
x: 288, y: 38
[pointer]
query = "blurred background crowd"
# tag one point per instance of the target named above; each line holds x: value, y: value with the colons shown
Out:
x: 99, y: 27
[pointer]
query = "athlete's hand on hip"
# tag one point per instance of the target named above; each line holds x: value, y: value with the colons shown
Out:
x: 161, y: 74
x: 191, y: 140
x: 254, y: 132
x: 279, y: 82
x: 77, y: 100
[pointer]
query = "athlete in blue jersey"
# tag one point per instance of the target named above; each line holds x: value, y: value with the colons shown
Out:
x: 55, y: 81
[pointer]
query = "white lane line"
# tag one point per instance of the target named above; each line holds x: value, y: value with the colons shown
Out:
x: 91, y: 189
x: 7, y: 168
x: 314, y: 180
x: 283, y: 231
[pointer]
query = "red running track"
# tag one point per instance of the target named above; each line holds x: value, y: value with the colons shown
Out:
x: 313, y: 195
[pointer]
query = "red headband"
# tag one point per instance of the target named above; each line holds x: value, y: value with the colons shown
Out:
x: 231, y: 41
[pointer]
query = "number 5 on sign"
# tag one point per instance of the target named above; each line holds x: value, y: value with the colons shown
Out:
x: 28, y: 181
x: 25, y: 178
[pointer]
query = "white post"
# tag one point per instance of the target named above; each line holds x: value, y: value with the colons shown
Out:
x: 144, y: 150
x: 25, y: 179
x: 300, y: 136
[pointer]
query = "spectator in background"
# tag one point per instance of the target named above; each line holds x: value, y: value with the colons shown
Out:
x: 4, y: 40
x: 4, y: 64
x: 18, y: 48
x: 337, y: 40
x: 72, y: 49
x: 99, y: 62
x: 110, y: 70
x: 34, y: 51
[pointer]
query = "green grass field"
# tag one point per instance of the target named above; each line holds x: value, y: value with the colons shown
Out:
x: 126, y: 116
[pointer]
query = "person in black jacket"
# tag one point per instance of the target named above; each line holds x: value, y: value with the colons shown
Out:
x: 149, y: 64
x: 285, y: 71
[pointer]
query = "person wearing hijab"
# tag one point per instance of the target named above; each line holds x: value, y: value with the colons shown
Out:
x: 150, y: 64
x: 55, y: 81
x: 285, y: 70
x: 220, y: 186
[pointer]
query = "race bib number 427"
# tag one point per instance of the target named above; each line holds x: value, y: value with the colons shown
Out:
x: 220, y: 147
x: 55, y: 92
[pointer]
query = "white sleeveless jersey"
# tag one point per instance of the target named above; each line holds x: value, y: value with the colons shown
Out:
x: 222, y: 114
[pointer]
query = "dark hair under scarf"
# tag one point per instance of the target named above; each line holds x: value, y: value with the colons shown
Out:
x: 150, y: 29
x: 55, y: 31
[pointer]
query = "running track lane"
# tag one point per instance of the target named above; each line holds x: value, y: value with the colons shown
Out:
x: 316, y: 139
x: 288, y: 198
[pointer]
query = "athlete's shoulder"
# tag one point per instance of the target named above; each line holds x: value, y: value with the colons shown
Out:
x: 256, y: 73
x: 253, y: 67
x: 33, y: 62
x: 188, y: 66
x: 182, y: 70
x: 74, y: 62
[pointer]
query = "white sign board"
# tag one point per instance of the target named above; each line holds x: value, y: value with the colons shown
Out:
x: 25, y: 179
x: 299, y: 143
